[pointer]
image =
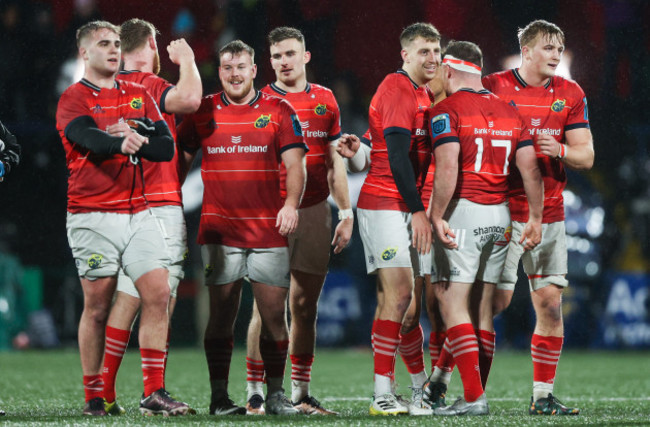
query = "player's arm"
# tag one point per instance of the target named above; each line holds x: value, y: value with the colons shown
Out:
x: 444, y: 185
x: 398, y: 144
x: 337, y: 179
x: 189, y: 143
x: 577, y: 153
x: 9, y: 152
x: 531, y: 175
x: 294, y: 162
x: 185, y: 97
x: 144, y: 138
x: 356, y: 155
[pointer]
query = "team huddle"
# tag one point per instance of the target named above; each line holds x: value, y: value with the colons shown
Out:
x: 465, y: 177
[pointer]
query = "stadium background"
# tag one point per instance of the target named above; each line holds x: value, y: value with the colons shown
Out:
x: 354, y: 45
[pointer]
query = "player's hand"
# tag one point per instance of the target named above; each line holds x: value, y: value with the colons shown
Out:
x: 444, y: 234
x: 287, y: 220
x: 531, y: 236
x: 422, y: 233
x: 133, y: 141
x: 548, y: 145
x: 342, y: 234
x: 348, y: 145
x: 119, y: 129
x: 180, y: 51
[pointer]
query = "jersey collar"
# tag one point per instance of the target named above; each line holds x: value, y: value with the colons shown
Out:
x: 96, y: 88
x: 256, y: 98
x: 401, y: 71
x: 482, y: 91
x: 515, y: 72
x: 283, y: 92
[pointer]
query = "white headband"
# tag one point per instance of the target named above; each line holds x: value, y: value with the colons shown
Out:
x: 461, y: 65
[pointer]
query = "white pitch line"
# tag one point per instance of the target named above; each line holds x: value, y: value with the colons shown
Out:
x: 509, y: 399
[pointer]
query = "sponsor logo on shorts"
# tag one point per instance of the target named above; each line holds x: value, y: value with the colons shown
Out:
x: 454, y: 271
x: 95, y: 261
x: 494, y: 234
x: 208, y: 270
x: 371, y: 259
x: 389, y: 254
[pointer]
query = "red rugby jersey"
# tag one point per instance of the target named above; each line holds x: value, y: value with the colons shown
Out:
x: 162, y: 183
x: 399, y: 105
x: 241, y: 147
x: 321, y: 123
x: 555, y: 108
x: 489, y: 132
x: 99, y: 182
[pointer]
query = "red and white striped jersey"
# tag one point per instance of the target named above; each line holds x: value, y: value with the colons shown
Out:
x: 399, y: 105
x: 554, y: 108
x: 162, y: 182
x: 321, y: 124
x: 241, y: 147
x: 489, y: 132
x: 99, y: 182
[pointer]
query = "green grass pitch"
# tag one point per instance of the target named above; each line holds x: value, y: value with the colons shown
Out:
x: 611, y: 388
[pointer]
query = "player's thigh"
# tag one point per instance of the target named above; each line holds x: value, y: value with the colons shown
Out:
x: 547, y: 263
x: 97, y: 240
x: 386, y: 239
x: 223, y: 264
x: 309, y: 245
x: 146, y: 250
x: 172, y: 223
x: 269, y: 266
x: 508, y: 277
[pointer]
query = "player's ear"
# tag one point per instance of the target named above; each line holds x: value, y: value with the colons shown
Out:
x: 307, y: 57
x: 82, y: 52
x: 254, y: 70
x: 405, y: 55
x: 152, y: 43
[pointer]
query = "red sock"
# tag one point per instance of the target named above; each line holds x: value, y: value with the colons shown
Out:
x: 274, y: 355
x: 446, y: 360
x: 218, y: 353
x: 169, y: 333
x: 116, y: 342
x: 152, y: 369
x: 546, y: 354
x: 386, y: 337
x: 464, y: 347
x: 486, y: 342
x: 254, y: 370
x: 410, y: 348
x: 301, y: 367
x: 436, y: 341
x: 93, y: 386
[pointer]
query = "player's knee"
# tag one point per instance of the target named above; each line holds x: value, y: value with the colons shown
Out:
x: 550, y: 309
x: 156, y: 296
x: 97, y: 314
x: 410, y: 322
x: 403, y: 300
x: 500, y: 301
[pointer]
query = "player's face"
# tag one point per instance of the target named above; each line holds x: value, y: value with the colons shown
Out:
x: 544, y: 56
x: 437, y: 84
x: 288, y: 59
x: 236, y: 73
x: 101, y: 52
x: 421, y: 59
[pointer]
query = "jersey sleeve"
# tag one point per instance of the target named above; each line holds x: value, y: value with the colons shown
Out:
x: 442, y: 126
x: 397, y: 108
x: 69, y: 108
x: 578, y: 115
x: 152, y: 110
x: 158, y: 88
x: 290, y: 131
x: 334, y: 132
x: 525, y: 137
